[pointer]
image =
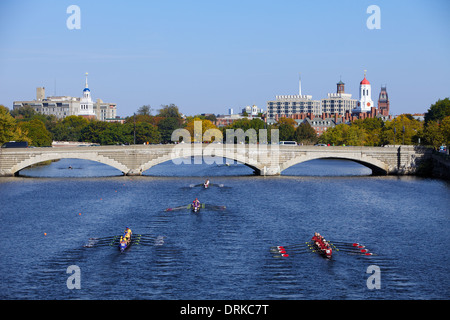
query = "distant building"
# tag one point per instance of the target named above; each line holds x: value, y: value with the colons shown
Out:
x: 227, y: 119
x: 321, y: 124
x: 287, y: 105
x: 252, y: 110
x: 383, y: 102
x: 365, y: 102
x: 86, y: 104
x: 339, y: 102
x: 64, y: 106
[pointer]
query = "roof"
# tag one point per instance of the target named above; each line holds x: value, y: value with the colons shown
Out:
x: 365, y: 81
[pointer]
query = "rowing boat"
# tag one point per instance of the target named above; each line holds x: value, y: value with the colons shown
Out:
x: 195, y: 208
x: 325, y: 252
x: 123, y: 245
x: 321, y: 246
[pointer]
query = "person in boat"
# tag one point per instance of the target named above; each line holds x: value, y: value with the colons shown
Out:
x: 123, y: 240
x: 127, y: 234
x: 196, y: 203
x: 206, y: 184
x: 315, y: 238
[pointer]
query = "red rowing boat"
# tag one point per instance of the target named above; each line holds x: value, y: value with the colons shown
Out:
x: 322, y: 246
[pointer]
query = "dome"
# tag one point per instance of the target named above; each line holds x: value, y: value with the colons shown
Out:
x: 365, y: 81
x: 86, y: 89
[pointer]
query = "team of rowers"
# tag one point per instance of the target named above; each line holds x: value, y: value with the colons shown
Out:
x: 321, y: 243
x: 126, y: 236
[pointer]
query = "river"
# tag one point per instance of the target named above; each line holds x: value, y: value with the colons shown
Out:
x: 50, y: 212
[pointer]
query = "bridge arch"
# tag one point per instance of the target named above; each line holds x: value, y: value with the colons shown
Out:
x: 53, y: 156
x: 378, y: 167
x: 215, y: 152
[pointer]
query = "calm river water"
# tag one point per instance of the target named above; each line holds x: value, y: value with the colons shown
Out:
x: 50, y: 212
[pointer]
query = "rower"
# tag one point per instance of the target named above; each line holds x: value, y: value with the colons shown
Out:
x: 315, y: 238
x: 196, y: 203
x: 206, y: 184
x: 127, y: 234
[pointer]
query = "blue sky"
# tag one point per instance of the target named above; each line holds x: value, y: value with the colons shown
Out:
x: 209, y: 56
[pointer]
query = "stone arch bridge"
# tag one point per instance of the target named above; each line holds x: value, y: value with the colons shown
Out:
x: 264, y: 159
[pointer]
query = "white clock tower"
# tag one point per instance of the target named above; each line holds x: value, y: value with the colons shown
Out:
x: 365, y: 102
x: 86, y: 104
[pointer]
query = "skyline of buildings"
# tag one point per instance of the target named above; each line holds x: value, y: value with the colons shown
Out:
x: 337, y: 108
x: 339, y: 103
x: 64, y: 106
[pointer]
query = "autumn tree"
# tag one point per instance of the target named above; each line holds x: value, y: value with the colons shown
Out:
x: 194, y: 123
x: 9, y: 131
x: 37, y: 132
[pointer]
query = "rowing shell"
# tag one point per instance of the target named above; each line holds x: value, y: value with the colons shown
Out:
x: 327, y: 253
x: 124, y: 245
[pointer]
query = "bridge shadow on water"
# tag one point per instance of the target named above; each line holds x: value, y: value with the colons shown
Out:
x: 78, y: 168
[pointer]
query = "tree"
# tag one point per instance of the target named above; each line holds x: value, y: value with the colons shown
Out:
x: 286, y: 127
x: 95, y: 132
x: 343, y: 134
x: 145, y: 132
x: 372, y: 127
x: 26, y: 112
x: 166, y: 127
x: 9, y: 131
x: 284, y: 120
x: 145, y: 110
x: 433, y: 134
x: 445, y: 128
x: 438, y: 111
x: 355, y: 136
x: 70, y: 128
x: 37, y: 132
x: 286, y: 132
x: 305, y: 134
x: 206, y: 125
x: 334, y: 136
x: 403, y: 129
x: 169, y: 111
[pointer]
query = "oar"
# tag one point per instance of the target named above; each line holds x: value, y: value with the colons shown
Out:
x: 284, y: 251
x: 350, y: 244
x: 292, y: 245
x: 179, y: 208
x: 294, y: 253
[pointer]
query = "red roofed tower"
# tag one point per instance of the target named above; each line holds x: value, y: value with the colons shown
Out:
x: 365, y: 102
